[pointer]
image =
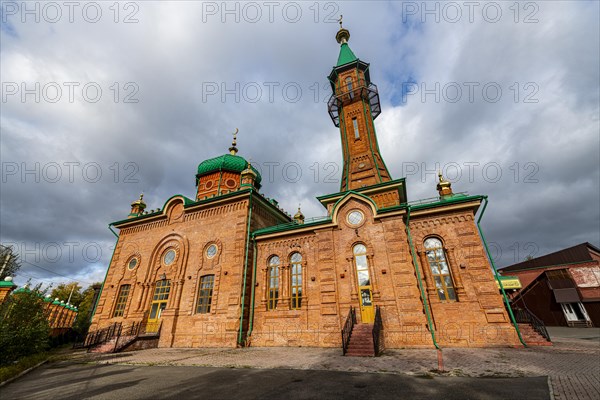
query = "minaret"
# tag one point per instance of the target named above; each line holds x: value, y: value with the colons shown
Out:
x: 353, y: 106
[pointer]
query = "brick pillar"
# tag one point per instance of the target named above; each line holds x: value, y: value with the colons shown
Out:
x: 284, y: 287
x: 426, y: 270
x: 352, y: 272
x: 263, y: 301
x: 460, y: 289
x: 373, y: 276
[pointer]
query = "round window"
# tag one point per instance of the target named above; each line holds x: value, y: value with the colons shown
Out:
x: 132, y: 263
x: 208, y: 185
x: 355, y: 217
x: 169, y: 257
x: 230, y: 183
x: 211, y: 251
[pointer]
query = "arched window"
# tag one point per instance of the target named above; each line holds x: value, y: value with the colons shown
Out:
x: 439, y: 269
x: 364, y: 283
x: 205, y: 292
x: 362, y: 267
x: 296, y: 280
x: 349, y: 87
x: 273, y: 283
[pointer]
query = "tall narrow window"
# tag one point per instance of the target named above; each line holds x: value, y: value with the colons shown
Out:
x: 296, y: 281
x: 349, y: 87
x: 273, y: 281
x: 205, y: 292
x: 439, y: 269
x: 121, y: 300
x: 356, y: 131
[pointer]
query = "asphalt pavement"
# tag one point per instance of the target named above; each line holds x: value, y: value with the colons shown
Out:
x: 67, y: 380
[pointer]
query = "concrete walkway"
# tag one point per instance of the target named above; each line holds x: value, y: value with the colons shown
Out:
x: 572, y: 363
x: 67, y: 381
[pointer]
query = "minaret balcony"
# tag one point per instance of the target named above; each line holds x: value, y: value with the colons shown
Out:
x: 364, y: 90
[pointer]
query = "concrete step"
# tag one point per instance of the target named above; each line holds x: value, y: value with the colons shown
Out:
x: 369, y: 342
x: 106, y: 347
x: 361, y: 341
x: 360, y: 354
x: 360, y: 345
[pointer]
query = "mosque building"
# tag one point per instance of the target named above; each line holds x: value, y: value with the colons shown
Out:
x: 231, y: 268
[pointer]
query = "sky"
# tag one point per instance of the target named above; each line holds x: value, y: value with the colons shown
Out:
x: 104, y: 100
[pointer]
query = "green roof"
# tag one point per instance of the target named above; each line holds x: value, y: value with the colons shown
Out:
x: 7, y: 284
x: 226, y: 162
x: 346, y: 55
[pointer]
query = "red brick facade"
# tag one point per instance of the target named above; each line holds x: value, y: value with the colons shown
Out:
x: 477, y: 318
x: 236, y: 276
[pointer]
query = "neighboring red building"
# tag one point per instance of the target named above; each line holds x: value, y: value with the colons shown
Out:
x: 561, y: 288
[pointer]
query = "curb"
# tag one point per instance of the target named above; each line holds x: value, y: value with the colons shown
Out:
x: 550, y: 390
x: 28, y: 370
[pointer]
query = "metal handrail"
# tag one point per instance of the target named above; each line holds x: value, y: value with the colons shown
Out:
x: 347, y: 330
x: 525, y: 316
x: 131, y: 333
x: 116, y: 330
x: 377, y: 332
x: 100, y: 336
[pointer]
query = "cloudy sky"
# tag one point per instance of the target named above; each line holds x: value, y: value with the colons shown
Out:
x: 101, y: 102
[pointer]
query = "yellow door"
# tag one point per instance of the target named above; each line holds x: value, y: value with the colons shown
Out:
x: 154, y: 317
x: 367, y: 313
x: 159, y: 303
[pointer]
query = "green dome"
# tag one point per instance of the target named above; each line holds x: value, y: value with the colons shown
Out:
x: 226, y: 162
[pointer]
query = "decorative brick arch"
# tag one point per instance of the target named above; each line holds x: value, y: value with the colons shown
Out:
x: 175, y: 273
x: 347, y: 198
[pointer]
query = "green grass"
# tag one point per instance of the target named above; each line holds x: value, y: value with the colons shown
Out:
x: 10, y: 371
x: 56, y: 354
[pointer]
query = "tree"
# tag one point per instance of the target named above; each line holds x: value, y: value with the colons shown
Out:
x: 65, y: 290
x: 82, y: 323
x: 24, y: 327
x: 9, y: 262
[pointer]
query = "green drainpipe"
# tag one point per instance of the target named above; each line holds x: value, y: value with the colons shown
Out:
x: 105, y: 275
x: 245, y: 269
x: 487, y: 250
x: 253, y: 285
x: 425, y: 301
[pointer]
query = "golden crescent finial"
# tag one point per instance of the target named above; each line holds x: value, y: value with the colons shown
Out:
x: 233, y: 149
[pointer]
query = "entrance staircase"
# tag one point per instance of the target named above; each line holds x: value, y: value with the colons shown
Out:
x: 362, y: 340
x: 116, y: 338
x: 532, y: 337
x: 533, y: 330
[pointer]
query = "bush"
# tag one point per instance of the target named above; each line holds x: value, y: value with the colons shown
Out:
x: 24, y: 328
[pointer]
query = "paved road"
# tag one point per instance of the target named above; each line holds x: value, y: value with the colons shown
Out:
x: 68, y: 380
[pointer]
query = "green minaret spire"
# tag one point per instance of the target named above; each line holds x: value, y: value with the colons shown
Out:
x: 346, y: 55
